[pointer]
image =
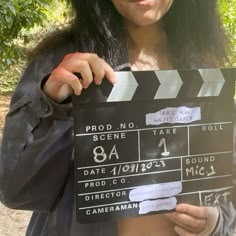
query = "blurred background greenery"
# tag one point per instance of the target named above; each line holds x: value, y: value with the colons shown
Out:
x: 23, y: 23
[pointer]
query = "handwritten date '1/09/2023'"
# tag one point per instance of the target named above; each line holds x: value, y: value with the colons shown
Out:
x: 129, y: 168
x: 137, y: 167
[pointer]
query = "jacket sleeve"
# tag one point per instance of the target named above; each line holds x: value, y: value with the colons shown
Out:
x: 227, y: 220
x: 36, y: 148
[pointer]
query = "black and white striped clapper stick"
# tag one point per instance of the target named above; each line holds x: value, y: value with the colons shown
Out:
x: 169, y: 84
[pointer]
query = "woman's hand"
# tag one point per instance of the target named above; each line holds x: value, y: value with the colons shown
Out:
x: 194, y: 220
x: 63, y: 81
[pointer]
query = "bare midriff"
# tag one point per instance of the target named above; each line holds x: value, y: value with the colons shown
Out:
x: 155, y: 225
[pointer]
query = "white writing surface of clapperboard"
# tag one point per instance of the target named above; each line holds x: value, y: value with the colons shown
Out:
x: 155, y: 139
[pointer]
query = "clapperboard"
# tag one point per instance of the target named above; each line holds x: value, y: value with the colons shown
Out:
x: 155, y: 139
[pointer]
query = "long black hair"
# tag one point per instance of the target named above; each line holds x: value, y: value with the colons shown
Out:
x: 193, y: 27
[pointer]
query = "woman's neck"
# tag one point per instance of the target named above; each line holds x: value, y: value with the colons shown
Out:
x: 146, y: 37
x: 148, y: 47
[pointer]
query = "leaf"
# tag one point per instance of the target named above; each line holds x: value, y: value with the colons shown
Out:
x: 12, y: 9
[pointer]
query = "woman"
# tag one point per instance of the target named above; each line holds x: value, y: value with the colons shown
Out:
x: 36, y: 165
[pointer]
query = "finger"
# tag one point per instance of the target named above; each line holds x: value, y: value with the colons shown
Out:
x: 100, y: 69
x: 87, y: 63
x: 183, y: 232
x: 188, y: 222
x: 68, y: 78
x: 195, y: 211
x: 109, y: 72
x: 79, y: 66
x: 96, y: 65
x: 86, y: 73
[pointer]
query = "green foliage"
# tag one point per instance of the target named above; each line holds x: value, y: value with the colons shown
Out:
x: 22, y: 24
x: 228, y: 12
x: 16, y: 15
